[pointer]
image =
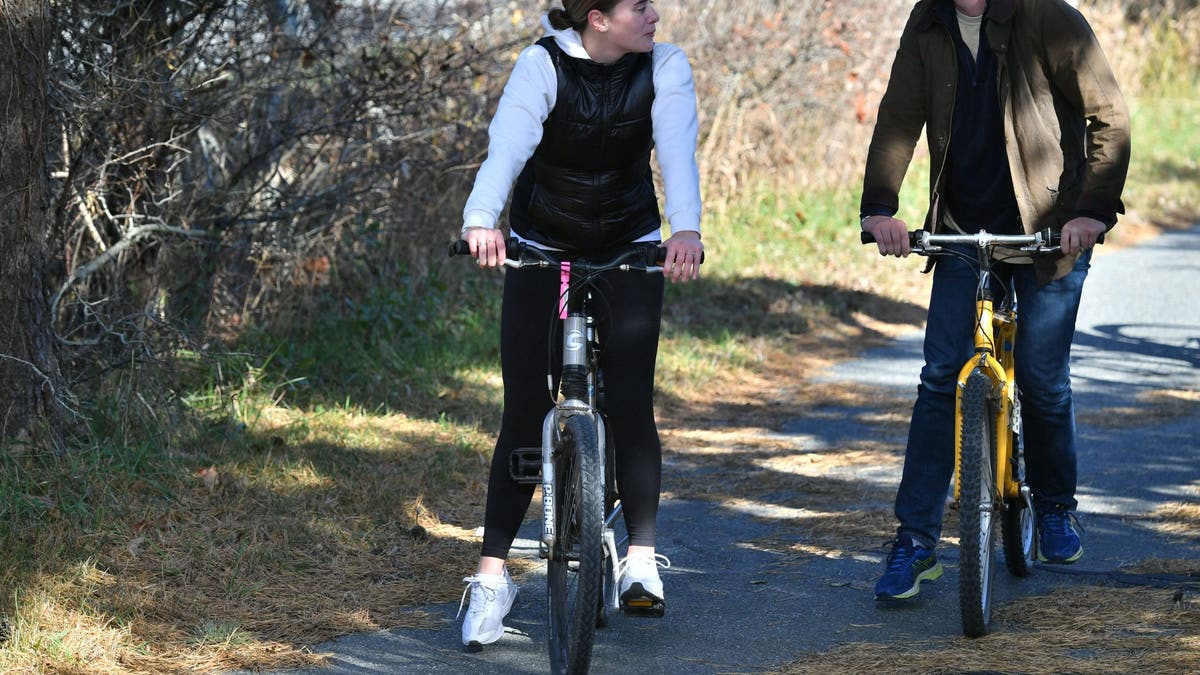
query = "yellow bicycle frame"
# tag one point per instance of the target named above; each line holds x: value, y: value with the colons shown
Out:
x: 991, y: 329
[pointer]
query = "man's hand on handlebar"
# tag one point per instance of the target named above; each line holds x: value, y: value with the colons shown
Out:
x: 890, y: 234
x: 1081, y: 234
x: 487, y: 245
x: 684, y: 255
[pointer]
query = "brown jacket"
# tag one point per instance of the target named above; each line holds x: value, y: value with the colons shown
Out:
x: 1066, y: 124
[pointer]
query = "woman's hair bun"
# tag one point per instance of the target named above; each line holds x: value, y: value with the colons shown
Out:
x: 559, y: 19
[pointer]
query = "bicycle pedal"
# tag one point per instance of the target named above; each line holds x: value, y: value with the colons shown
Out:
x: 525, y: 466
x: 644, y: 606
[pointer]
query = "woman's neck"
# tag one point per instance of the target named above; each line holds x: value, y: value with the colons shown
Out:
x: 598, y: 48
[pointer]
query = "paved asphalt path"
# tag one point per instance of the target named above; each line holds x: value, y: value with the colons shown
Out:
x: 734, y: 608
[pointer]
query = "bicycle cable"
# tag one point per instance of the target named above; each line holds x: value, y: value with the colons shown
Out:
x: 581, y: 284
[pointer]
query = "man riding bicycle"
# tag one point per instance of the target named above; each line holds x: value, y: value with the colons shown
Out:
x: 1027, y: 130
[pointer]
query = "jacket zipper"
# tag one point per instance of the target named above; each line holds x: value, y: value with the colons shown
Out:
x: 936, y: 197
x: 604, y: 123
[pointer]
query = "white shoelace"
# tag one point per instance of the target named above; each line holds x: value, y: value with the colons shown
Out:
x: 489, y: 594
x: 659, y: 560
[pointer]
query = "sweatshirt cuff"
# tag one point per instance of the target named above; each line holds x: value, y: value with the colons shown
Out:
x: 478, y: 219
x: 685, y: 227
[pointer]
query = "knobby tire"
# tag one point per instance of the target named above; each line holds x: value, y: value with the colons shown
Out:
x: 976, y: 505
x: 573, y: 591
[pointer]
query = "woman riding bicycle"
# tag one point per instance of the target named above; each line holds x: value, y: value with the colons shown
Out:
x: 571, y: 138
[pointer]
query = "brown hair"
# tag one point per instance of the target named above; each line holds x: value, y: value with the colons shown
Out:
x: 574, y: 13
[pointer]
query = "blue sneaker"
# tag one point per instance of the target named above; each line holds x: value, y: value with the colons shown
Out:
x: 907, y: 566
x: 1058, y: 542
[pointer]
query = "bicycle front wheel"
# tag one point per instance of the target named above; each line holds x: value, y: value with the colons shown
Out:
x: 977, y: 504
x: 576, y: 562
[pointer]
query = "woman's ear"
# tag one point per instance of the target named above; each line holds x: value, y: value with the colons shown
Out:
x: 597, y: 21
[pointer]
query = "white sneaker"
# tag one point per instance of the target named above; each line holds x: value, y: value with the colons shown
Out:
x: 641, y: 589
x: 492, y: 595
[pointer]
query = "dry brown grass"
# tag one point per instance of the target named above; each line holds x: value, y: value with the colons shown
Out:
x: 1081, y: 630
x: 1147, y: 407
x: 1179, y: 519
x: 319, y: 526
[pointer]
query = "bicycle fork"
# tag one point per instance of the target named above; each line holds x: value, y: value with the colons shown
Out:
x: 994, y: 342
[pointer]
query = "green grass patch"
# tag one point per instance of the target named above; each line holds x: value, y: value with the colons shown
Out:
x: 1164, y: 175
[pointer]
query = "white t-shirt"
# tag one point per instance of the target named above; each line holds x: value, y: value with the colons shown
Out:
x: 968, y: 27
x: 528, y: 98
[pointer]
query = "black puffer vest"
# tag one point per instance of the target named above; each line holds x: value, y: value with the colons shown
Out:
x: 589, y: 185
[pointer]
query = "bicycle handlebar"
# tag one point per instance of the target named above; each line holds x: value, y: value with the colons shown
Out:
x: 648, y: 258
x: 1046, y: 241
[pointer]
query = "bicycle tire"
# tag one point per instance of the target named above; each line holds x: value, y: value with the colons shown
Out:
x: 608, y: 585
x: 1018, y: 522
x: 577, y: 560
x: 976, y: 505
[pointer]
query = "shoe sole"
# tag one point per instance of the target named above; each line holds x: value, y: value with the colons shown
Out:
x: 932, y: 574
x: 476, y: 646
x: 636, y: 601
x: 1060, y: 561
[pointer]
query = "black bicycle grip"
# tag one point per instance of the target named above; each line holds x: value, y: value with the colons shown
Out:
x: 660, y: 255
x: 461, y: 247
x: 868, y: 238
x: 1056, y: 237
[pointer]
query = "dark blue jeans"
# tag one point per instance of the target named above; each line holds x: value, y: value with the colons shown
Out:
x: 1046, y: 325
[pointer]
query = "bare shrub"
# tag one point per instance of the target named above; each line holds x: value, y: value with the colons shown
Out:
x: 787, y: 89
x: 217, y: 164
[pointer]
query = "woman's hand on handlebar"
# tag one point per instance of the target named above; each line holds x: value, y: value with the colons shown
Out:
x: 683, y: 259
x: 1080, y: 234
x: 890, y: 234
x: 487, y: 245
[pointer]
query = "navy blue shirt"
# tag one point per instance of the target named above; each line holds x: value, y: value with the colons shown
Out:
x: 978, y: 190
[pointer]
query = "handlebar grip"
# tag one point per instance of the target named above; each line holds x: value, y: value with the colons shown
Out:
x: 1056, y: 237
x: 913, y: 237
x: 461, y: 247
x: 660, y: 256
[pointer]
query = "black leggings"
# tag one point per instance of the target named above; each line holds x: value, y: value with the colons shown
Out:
x: 628, y: 350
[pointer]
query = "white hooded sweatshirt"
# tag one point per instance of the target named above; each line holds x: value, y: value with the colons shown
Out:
x: 528, y: 98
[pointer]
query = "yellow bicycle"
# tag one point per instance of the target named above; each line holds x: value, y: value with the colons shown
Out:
x: 989, y: 466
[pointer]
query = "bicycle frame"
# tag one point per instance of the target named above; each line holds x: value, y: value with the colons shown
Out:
x: 579, y: 397
x: 994, y: 326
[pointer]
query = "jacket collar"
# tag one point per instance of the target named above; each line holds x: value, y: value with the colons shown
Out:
x: 998, y: 11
